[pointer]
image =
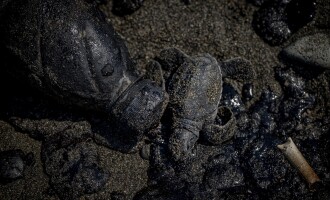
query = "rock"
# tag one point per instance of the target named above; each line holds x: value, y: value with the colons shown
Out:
x: 312, y: 50
x: 145, y: 152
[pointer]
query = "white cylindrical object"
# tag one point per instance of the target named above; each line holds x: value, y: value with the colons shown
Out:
x: 293, y: 154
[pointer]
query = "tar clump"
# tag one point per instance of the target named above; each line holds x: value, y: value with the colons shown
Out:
x: 72, y: 164
x: 126, y: 7
x: 277, y: 20
x: 13, y: 164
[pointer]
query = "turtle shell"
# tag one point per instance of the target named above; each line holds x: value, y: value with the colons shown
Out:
x: 67, y: 49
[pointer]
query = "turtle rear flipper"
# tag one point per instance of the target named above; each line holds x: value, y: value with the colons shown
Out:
x: 222, y: 129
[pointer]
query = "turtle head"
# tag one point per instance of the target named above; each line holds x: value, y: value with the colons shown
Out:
x: 139, y: 108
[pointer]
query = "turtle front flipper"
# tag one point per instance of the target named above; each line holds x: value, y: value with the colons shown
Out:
x: 155, y: 73
x: 238, y: 69
x: 170, y: 60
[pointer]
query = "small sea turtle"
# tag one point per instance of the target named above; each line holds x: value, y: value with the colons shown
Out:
x: 194, y: 85
x: 68, y: 50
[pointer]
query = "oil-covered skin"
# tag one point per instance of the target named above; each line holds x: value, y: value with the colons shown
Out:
x: 68, y: 50
x: 194, y: 85
x: 195, y: 93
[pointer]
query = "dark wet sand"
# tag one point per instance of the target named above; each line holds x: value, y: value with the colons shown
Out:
x: 220, y: 28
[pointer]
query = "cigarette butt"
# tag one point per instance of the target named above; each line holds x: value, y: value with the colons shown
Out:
x: 292, y: 153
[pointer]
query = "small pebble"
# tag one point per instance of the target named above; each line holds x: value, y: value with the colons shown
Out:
x: 145, y: 152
